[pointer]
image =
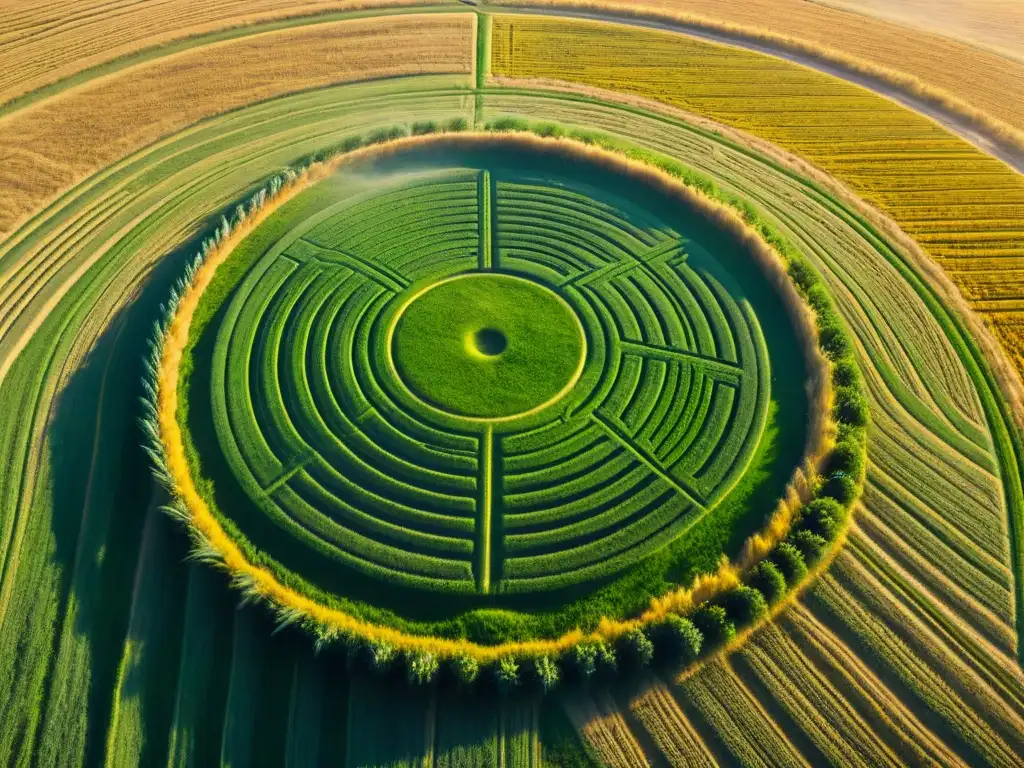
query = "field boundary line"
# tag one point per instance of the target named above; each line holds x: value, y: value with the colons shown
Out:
x: 189, y: 42
x: 485, y: 507
x: 486, y: 220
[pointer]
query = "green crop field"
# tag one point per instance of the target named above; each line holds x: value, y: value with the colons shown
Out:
x: 435, y: 385
x: 487, y: 382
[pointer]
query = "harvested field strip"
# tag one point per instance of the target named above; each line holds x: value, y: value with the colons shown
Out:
x: 984, y: 660
x: 305, y: 714
x: 748, y: 91
x: 600, y: 722
x: 935, y: 682
x: 69, y: 677
x: 57, y: 143
x: 238, y: 732
x: 895, y: 723
x: 828, y: 718
x: 998, y: 629
x: 751, y: 736
x: 976, y: 78
x: 670, y: 729
x: 994, y: 24
x: 520, y: 737
x: 81, y: 37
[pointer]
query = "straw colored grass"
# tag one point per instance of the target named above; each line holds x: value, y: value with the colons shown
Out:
x: 49, y: 146
x: 994, y: 24
x: 41, y: 43
x: 976, y: 84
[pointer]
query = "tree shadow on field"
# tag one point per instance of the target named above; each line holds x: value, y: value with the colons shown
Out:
x: 101, y: 488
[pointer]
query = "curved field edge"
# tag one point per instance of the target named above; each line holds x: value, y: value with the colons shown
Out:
x: 628, y: 594
x: 186, y: 30
x: 45, y: 146
x: 1000, y: 131
x: 330, y: 625
x: 176, y: 40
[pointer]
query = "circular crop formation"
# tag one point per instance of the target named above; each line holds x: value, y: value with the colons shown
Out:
x: 484, y: 381
x: 465, y: 373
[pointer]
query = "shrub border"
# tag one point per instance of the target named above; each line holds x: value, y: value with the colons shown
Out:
x: 678, y: 628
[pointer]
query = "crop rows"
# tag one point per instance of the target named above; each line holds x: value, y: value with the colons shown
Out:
x: 660, y: 433
x: 324, y: 447
x: 934, y: 540
x: 71, y: 526
x: 921, y: 176
x: 139, y: 213
x: 140, y: 106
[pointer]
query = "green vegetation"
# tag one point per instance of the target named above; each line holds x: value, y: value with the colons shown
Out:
x: 112, y: 650
x: 488, y: 346
x: 310, y: 308
x: 714, y: 623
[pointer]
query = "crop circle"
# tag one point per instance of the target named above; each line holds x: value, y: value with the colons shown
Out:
x: 497, y: 380
x: 488, y: 346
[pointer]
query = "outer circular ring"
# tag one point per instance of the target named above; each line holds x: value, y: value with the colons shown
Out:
x: 328, y: 622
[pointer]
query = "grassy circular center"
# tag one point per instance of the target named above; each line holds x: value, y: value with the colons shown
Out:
x: 487, y: 346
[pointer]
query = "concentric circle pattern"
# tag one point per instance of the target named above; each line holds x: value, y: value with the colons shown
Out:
x: 486, y: 382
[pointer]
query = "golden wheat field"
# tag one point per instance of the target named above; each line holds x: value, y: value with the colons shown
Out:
x: 976, y: 82
x: 463, y: 384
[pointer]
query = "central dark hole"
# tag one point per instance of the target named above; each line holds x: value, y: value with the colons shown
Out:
x: 490, y: 341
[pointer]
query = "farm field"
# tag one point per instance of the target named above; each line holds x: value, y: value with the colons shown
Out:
x: 503, y: 334
x: 980, y: 79
x: 469, y: 458
x: 103, y: 32
x: 892, y: 158
x: 61, y: 141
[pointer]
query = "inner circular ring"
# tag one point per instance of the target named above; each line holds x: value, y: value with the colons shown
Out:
x: 486, y: 346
